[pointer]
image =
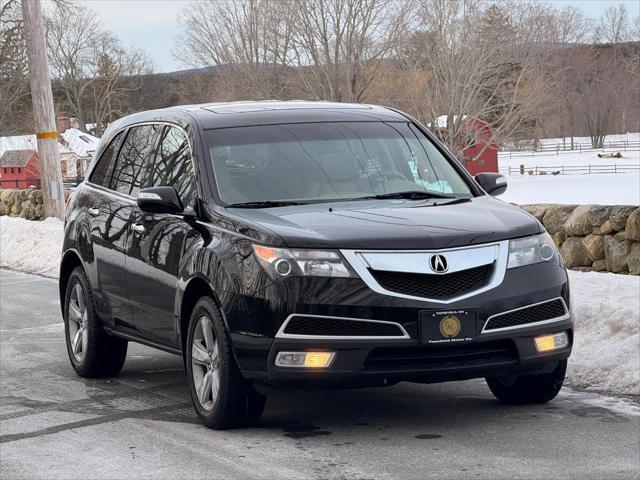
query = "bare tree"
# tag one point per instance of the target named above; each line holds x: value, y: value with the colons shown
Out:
x: 89, y: 64
x: 248, y: 41
x: 614, y: 26
x: 597, y: 84
x: 635, y: 29
x: 468, y: 61
x: 14, y: 82
x: 340, y: 45
x: 568, y: 29
x: 521, y: 66
x: 324, y: 49
x: 569, y: 26
x: 617, y: 28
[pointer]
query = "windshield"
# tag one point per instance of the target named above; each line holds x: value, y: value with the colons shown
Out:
x: 315, y: 162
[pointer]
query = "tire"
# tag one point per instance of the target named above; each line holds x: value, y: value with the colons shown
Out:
x: 528, y: 389
x: 224, y: 400
x: 92, y: 352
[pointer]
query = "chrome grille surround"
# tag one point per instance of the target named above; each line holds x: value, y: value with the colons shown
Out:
x: 402, y: 333
x: 417, y: 261
x: 567, y: 315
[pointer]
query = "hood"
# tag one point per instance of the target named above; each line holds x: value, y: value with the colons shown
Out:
x: 392, y: 224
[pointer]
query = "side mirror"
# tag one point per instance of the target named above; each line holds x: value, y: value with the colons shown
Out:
x: 493, y: 183
x: 159, y: 200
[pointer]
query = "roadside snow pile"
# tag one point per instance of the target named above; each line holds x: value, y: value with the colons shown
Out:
x: 32, y: 247
x: 606, y: 353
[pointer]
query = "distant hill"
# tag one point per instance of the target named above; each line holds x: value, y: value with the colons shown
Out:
x: 189, y: 71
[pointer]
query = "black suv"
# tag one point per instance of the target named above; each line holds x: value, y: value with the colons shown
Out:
x: 306, y: 245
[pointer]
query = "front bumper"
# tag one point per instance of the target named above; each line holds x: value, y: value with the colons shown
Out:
x: 362, y: 362
x: 369, y: 363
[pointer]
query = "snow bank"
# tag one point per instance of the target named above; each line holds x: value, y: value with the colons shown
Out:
x: 606, y: 354
x: 32, y: 247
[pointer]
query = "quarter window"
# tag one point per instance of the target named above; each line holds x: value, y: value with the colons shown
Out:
x: 173, y: 165
x: 133, y: 160
x: 100, y: 174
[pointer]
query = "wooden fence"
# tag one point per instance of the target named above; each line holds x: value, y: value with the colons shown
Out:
x: 516, y: 151
x: 570, y: 169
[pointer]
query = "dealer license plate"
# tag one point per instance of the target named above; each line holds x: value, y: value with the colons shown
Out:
x: 445, y: 327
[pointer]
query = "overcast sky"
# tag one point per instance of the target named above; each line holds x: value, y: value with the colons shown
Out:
x: 152, y: 24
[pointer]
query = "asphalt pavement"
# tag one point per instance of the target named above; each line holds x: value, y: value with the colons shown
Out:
x: 141, y: 424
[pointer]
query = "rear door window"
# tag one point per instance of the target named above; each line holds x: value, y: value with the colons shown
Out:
x: 101, y: 174
x: 134, y: 158
x: 173, y: 165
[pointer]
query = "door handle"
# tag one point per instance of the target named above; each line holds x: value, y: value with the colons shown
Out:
x: 93, y: 212
x: 137, y: 227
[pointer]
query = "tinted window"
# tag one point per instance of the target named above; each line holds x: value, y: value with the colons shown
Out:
x: 173, y: 164
x: 100, y: 174
x: 133, y: 159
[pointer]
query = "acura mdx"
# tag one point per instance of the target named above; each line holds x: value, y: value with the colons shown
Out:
x: 301, y: 245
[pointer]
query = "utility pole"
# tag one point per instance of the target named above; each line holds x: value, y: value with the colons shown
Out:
x: 43, y: 112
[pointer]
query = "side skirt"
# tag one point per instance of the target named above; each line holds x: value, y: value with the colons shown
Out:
x: 134, y: 338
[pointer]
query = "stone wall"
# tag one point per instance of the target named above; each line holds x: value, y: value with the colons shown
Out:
x: 590, y: 237
x: 594, y: 237
x: 23, y: 203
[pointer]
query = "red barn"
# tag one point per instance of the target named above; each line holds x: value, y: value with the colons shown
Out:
x: 475, y: 135
x: 19, y: 169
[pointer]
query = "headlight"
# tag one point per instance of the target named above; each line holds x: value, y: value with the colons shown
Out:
x: 284, y: 262
x: 535, y: 249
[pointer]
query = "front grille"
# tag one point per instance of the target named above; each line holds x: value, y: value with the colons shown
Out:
x: 327, y: 326
x: 441, y: 357
x: 434, y: 286
x: 535, y: 313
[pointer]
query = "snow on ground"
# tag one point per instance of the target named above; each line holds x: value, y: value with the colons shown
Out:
x: 606, y: 354
x: 615, y: 138
x: 616, y: 142
x: 575, y: 183
x: 32, y: 247
x: 551, y: 161
x: 604, y: 189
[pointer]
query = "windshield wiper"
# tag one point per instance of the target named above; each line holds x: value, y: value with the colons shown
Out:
x: 412, y: 195
x: 264, y: 204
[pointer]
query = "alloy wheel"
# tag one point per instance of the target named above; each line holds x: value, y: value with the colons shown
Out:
x: 78, y: 322
x: 205, y: 363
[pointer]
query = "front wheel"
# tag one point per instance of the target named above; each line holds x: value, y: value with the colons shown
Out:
x: 221, y: 396
x: 528, y: 389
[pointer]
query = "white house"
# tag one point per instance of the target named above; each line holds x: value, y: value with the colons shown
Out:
x: 75, y: 147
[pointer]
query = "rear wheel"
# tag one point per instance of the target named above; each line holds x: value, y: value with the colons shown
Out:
x: 528, y: 389
x: 92, y: 352
x: 221, y: 396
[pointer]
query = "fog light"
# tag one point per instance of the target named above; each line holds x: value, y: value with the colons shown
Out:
x: 552, y: 342
x: 318, y: 359
x: 304, y: 359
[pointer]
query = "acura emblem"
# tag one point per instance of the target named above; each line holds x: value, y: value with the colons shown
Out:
x: 438, y: 263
